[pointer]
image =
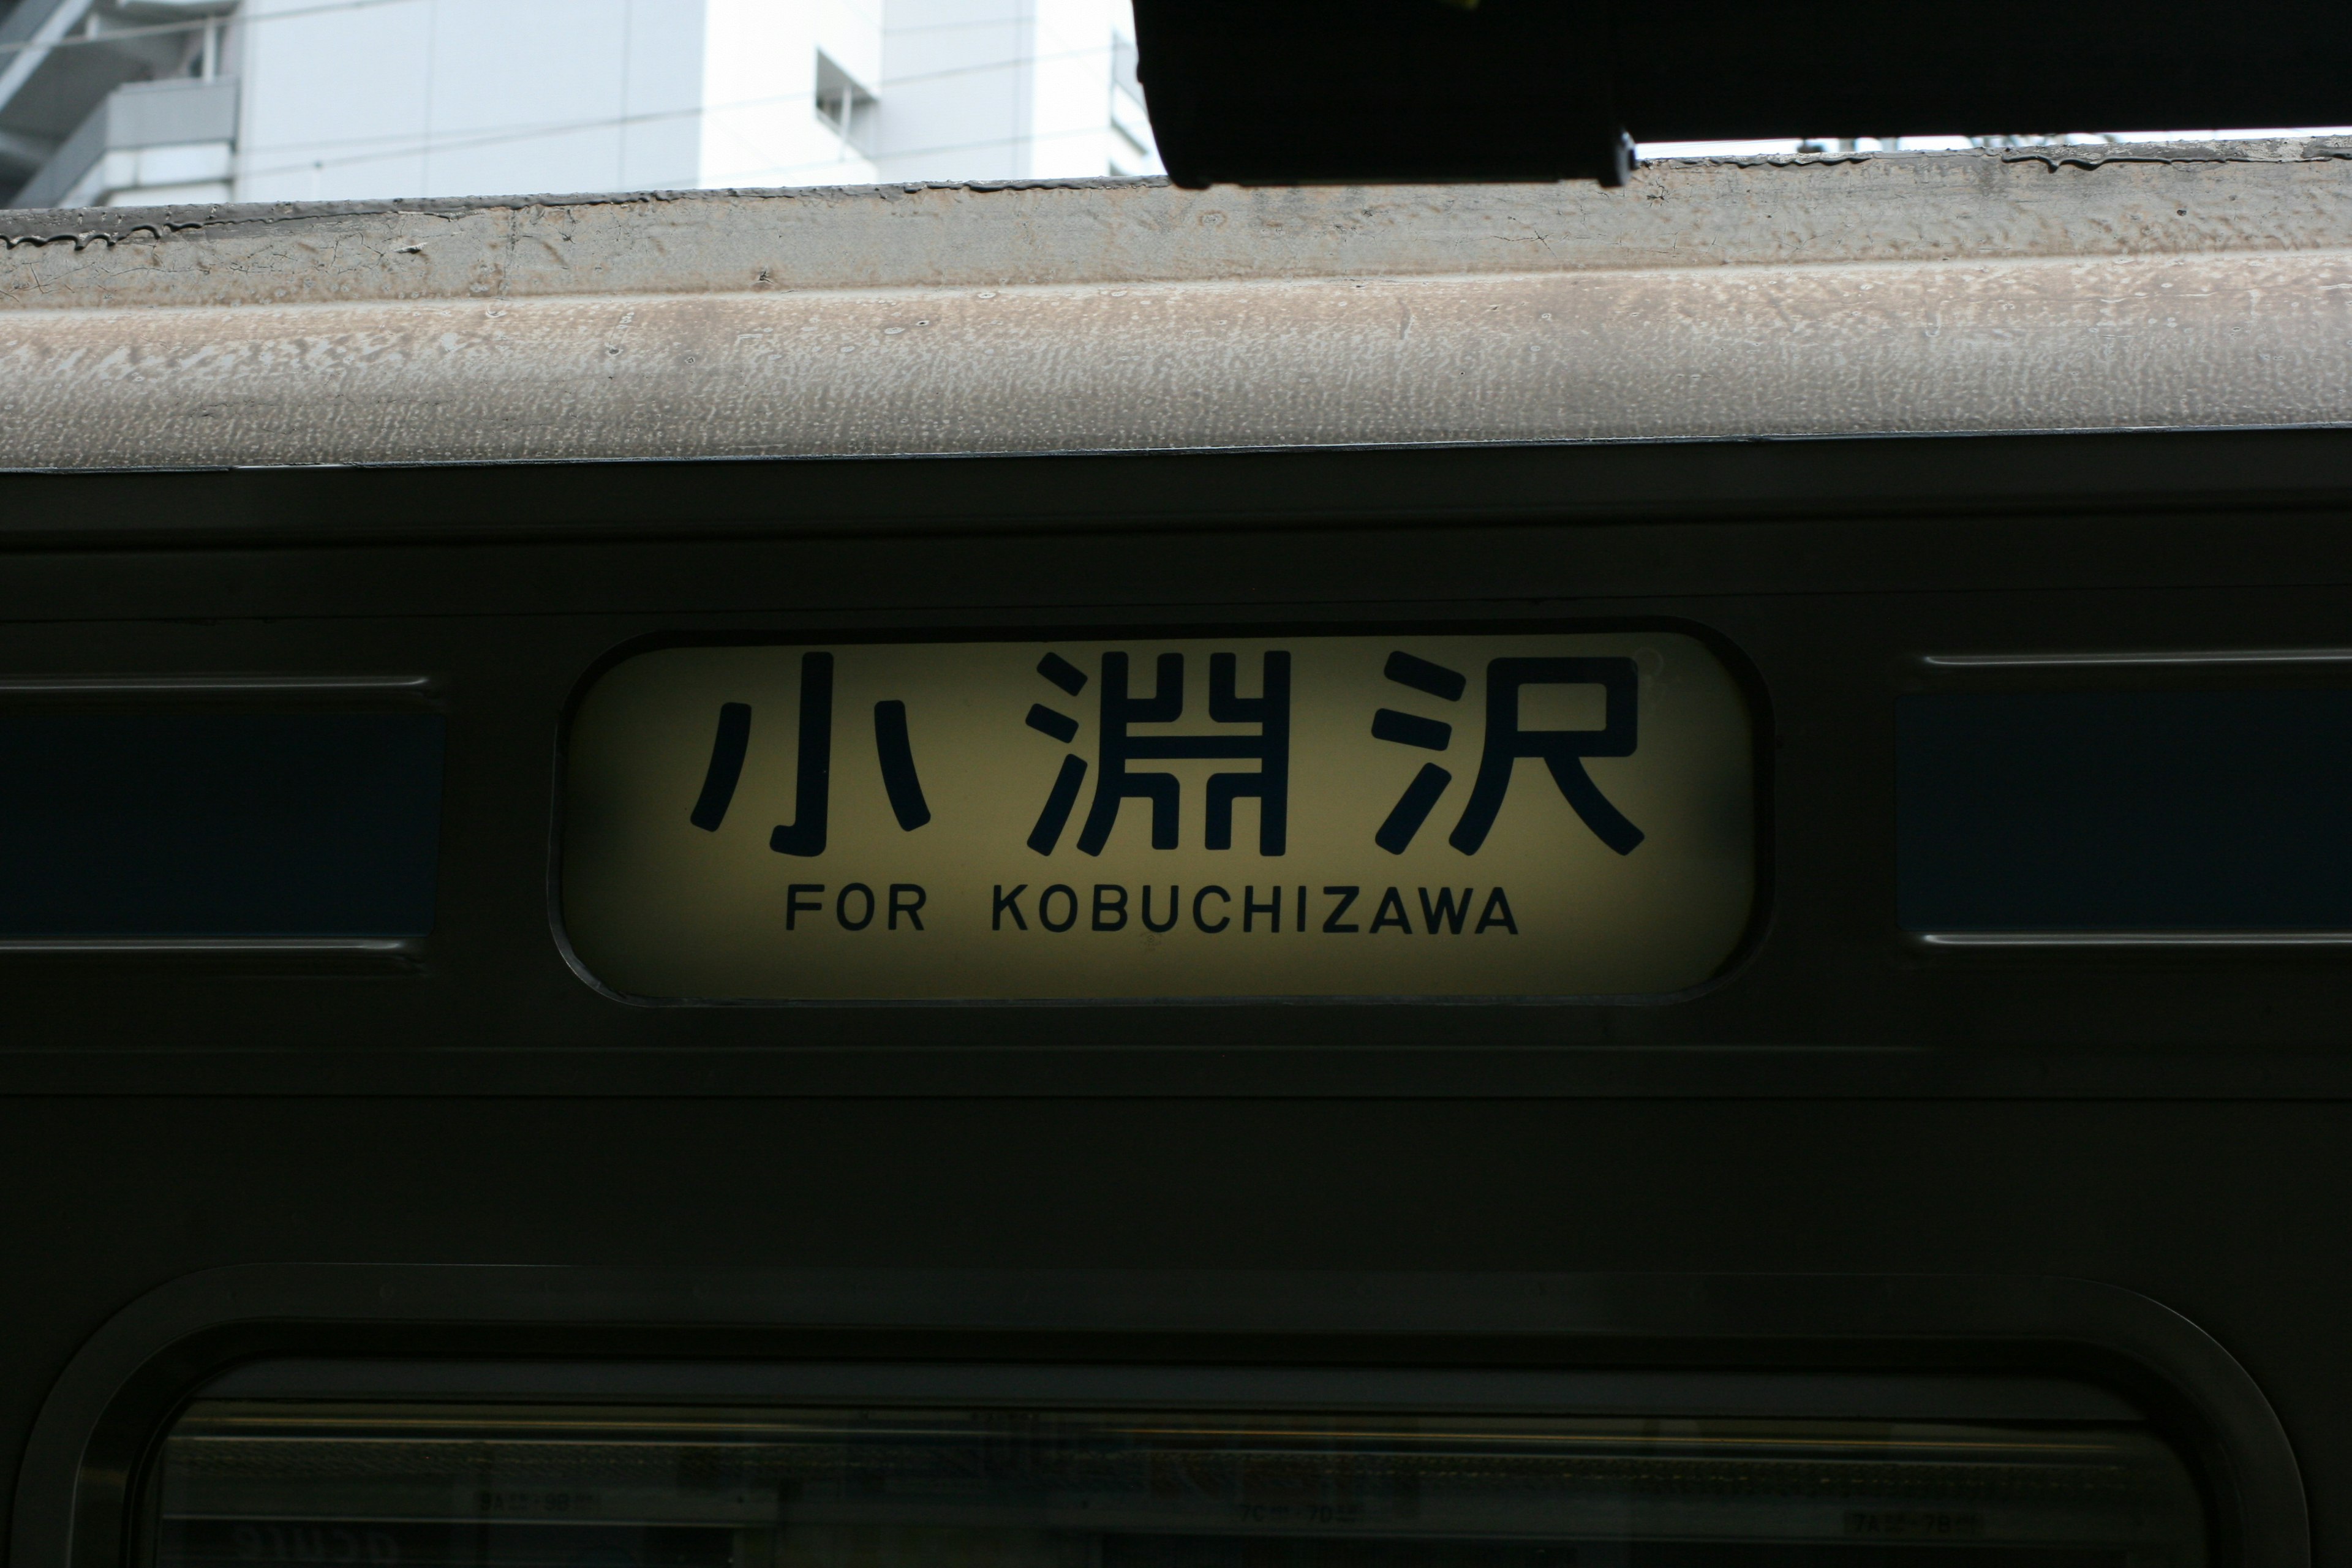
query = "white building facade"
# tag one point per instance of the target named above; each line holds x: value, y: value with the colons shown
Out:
x: 132, y: 103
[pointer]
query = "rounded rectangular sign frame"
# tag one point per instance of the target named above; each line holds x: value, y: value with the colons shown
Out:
x: 1564, y: 813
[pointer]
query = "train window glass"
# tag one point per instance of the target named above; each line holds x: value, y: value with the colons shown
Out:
x: 222, y: 825
x: 2120, y: 810
x: 1530, y: 814
x: 556, y: 1483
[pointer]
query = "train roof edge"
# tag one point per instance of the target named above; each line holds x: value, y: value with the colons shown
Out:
x: 2029, y: 289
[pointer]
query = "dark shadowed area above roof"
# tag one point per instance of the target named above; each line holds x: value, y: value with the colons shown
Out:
x: 1371, y: 90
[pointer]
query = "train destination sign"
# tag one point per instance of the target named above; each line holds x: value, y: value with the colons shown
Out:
x: 1519, y: 815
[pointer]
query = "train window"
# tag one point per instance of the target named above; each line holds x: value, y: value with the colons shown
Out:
x: 218, y: 824
x: 587, y: 1482
x: 1531, y: 814
x: 2125, y: 810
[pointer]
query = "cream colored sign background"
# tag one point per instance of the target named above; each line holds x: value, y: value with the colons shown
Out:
x: 656, y: 907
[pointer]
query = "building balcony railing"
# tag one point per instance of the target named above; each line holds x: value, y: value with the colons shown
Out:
x: 146, y: 142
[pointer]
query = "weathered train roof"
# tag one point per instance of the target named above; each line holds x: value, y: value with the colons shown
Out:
x: 2029, y: 289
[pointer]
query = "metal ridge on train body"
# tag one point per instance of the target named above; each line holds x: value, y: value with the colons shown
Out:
x: 2018, y: 290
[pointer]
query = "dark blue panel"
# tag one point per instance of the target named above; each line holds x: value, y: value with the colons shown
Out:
x: 2126, y: 810
x: 219, y: 823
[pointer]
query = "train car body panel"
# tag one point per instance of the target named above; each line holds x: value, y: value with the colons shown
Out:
x: 2002, y: 507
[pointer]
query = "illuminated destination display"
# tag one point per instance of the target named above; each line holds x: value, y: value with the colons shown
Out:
x: 1522, y: 814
